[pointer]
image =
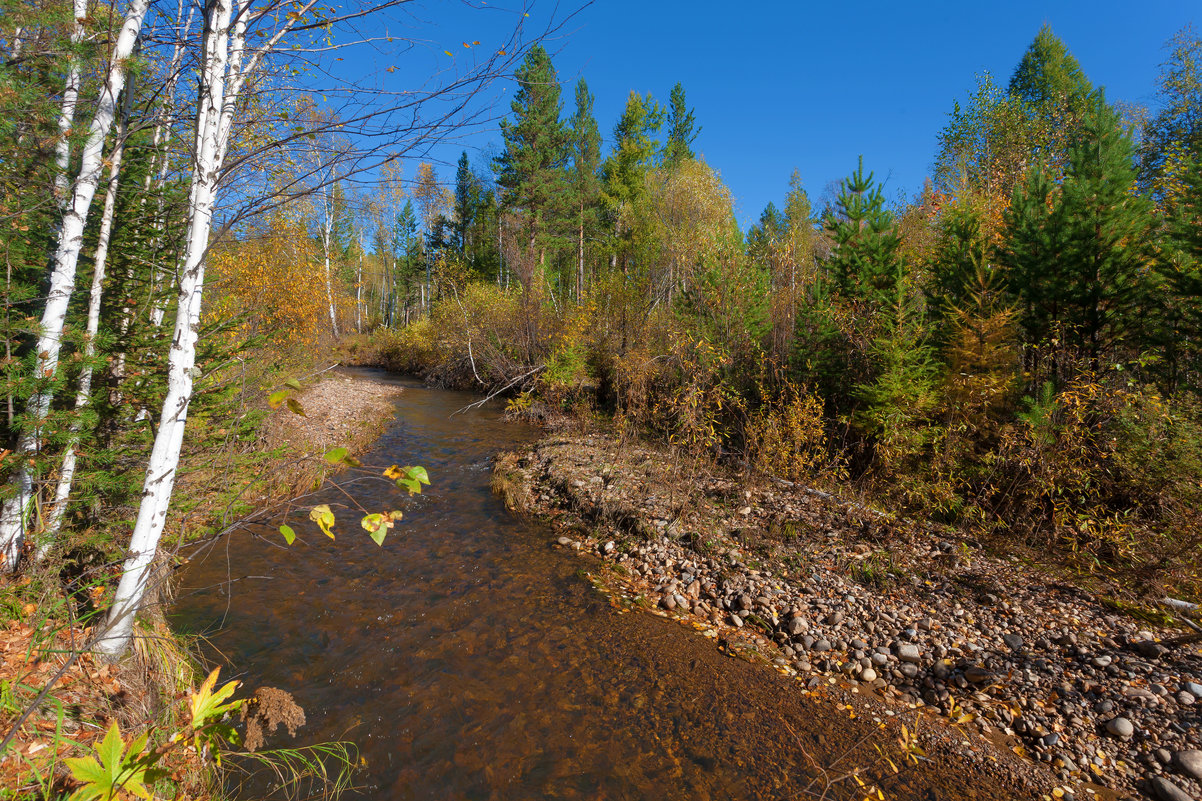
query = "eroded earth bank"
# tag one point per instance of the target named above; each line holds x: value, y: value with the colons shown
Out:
x: 887, y: 618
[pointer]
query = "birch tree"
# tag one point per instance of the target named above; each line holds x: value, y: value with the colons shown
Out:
x: 239, y: 35
x: 14, y: 516
x: 83, y: 394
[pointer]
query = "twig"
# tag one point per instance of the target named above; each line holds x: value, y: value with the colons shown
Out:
x: 486, y: 399
x: 467, y: 329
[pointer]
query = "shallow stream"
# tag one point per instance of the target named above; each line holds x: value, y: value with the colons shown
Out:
x: 467, y: 659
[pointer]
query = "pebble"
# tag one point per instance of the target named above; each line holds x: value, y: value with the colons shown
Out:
x: 1189, y: 762
x: 1165, y: 790
x: 1063, y: 675
x: 1120, y: 727
x: 978, y: 675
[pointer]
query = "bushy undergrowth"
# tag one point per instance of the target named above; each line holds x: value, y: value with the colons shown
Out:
x: 1099, y: 471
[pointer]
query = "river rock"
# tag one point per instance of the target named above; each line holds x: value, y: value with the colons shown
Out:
x: 907, y: 652
x: 978, y: 675
x: 867, y: 674
x: 1189, y: 762
x: 1150, y: 649
x: 1192, y: 688
x: 1165, y: 790
x: 1120, y: 727
x: 1013, y: 641
x: 797, y: 626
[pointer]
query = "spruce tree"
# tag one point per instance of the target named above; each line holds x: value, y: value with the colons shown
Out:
x: 585, y: 183
x: 682, y: 129
x: 530, y: 172
x: 1076, y: 252
x: 466, y: 192
x: 865, y: 263
x: 1048, y: 78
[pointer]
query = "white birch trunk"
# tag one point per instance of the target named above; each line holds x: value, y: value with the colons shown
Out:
x: 15, y: 513
x: 326, y: 233
x: 66, y: 117
x: 359, y: 295
x: 161, y: 143
x: 223, y: 76
x: 66, y: 475
x: 164, y: 455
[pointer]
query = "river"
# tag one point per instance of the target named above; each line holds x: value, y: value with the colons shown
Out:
x: 467, y: 659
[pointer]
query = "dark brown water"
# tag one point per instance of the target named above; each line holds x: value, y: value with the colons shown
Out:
x: 467, y: 659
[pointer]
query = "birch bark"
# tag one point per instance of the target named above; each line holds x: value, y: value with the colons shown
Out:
x: 225, y: 70
x: 66, y: 476
x: 14, y: 516
x: 66, y: 118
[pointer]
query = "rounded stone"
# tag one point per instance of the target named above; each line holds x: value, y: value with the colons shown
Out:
x: 1120, y: 727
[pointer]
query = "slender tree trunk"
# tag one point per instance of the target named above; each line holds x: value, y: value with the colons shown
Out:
x: 62, y: 149
x: 15, y: 513
x: 580, y: 259
x: 156, y: 181
x: 66, y: 477
x: 359, y: 295
x: 223, y: 53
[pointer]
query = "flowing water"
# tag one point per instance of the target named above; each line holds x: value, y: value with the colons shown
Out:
x: 467, y: 659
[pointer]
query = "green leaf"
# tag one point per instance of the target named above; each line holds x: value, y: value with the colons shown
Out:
x: 418, y: 474
x: 296, y: 408
x: 377, y: 526
x: 324, y: 518
x: 409, y: 484
x: 276, y: 398
x: 341, y: 456
x: 111, y: 771
x: 289, y: 534
x: 292, y: 382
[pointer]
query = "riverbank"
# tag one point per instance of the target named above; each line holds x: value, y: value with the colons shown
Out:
x: 41, y: 633
x: 1017, y: 659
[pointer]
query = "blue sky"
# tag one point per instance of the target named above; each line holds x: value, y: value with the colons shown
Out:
x: 782, y: 85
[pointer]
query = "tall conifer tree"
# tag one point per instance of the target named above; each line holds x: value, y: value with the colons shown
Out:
x: 585, y: 183
x: 531, y: 170
x: 682, y: 129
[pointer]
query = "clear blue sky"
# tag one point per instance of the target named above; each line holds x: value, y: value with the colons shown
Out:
x: 783, y: 85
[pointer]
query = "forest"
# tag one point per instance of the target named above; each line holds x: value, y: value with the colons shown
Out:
x: 1014, y: 351
x: 190, y: 229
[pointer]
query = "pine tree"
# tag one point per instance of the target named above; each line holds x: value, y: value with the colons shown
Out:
x: 682, y: 130
x: 531, y: 170
x: 960, y: 257
x: 1048, y: 78
x: 624, y: 171
x: 585, y: 183
x: 1178, y: 331
x: 1076, y: 252
x: 1109, y: 227
x: 864, y: 264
